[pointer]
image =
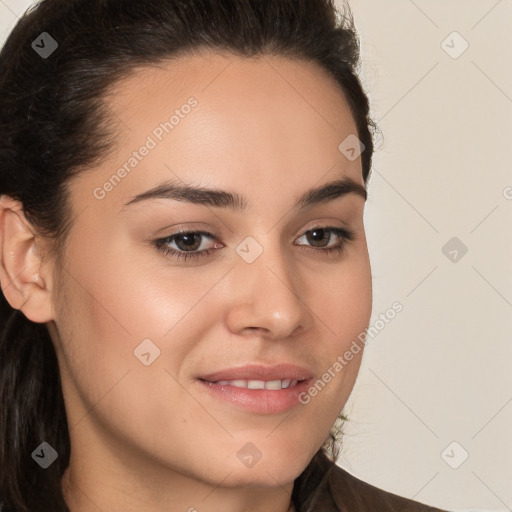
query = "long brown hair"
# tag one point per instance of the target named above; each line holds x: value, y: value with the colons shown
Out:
x: 53, y: 124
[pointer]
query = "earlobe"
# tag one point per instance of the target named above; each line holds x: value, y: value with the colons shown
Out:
x: 21, y: 271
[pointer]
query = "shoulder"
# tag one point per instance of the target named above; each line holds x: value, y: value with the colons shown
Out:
x: 331, y: 488
x: 355, y: 494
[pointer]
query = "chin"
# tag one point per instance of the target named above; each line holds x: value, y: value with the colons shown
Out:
x: 270, y: 476
x: 279, y: 468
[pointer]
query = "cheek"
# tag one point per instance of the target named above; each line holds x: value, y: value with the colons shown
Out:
x: 116, y: 304
x: 105, y: 314
x: 117, y: 313
x: 343, y: 301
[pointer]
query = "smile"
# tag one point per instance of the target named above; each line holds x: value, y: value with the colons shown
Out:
x: 259, y: 384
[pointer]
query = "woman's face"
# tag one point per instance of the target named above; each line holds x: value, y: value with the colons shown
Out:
x: 153, y: 347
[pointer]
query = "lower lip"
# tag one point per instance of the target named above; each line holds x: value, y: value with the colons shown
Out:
x: 262, y: 401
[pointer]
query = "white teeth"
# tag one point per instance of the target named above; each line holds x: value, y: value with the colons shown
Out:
x: 273, y: 384
x: 259, y: 384
x: 256, y: 384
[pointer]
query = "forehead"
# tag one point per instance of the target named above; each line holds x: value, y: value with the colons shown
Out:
x: 231, y: 122
x: 229, y: 79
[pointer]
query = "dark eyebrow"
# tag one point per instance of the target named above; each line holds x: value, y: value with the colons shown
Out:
x: 236, y: 202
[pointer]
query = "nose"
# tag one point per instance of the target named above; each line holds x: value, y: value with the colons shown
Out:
x: 268, y: 296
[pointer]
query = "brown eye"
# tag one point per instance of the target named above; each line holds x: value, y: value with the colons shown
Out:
x: 188, y: 241
x: 186, y: 244
x: 320, y: 237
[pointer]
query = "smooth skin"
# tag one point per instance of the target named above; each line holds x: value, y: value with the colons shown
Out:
x: 149, y: 437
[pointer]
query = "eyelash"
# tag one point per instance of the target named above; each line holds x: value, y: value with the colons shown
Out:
x: 161, y: 243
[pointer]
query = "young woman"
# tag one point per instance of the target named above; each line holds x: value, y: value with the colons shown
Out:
x: 184, y: 266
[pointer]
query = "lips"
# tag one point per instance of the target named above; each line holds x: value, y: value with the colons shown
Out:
x: 257, y: 388
x: 257, y: 372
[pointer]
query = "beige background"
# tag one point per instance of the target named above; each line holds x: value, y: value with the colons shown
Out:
x: 436, y: 380
x: 441, y: 370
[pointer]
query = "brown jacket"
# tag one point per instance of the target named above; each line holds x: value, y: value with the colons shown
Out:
x: 336, y: 490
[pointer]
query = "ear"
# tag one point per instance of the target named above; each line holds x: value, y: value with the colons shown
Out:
x: 25, y: 281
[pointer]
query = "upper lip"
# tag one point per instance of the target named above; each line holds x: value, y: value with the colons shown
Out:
x: 260, y: 372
